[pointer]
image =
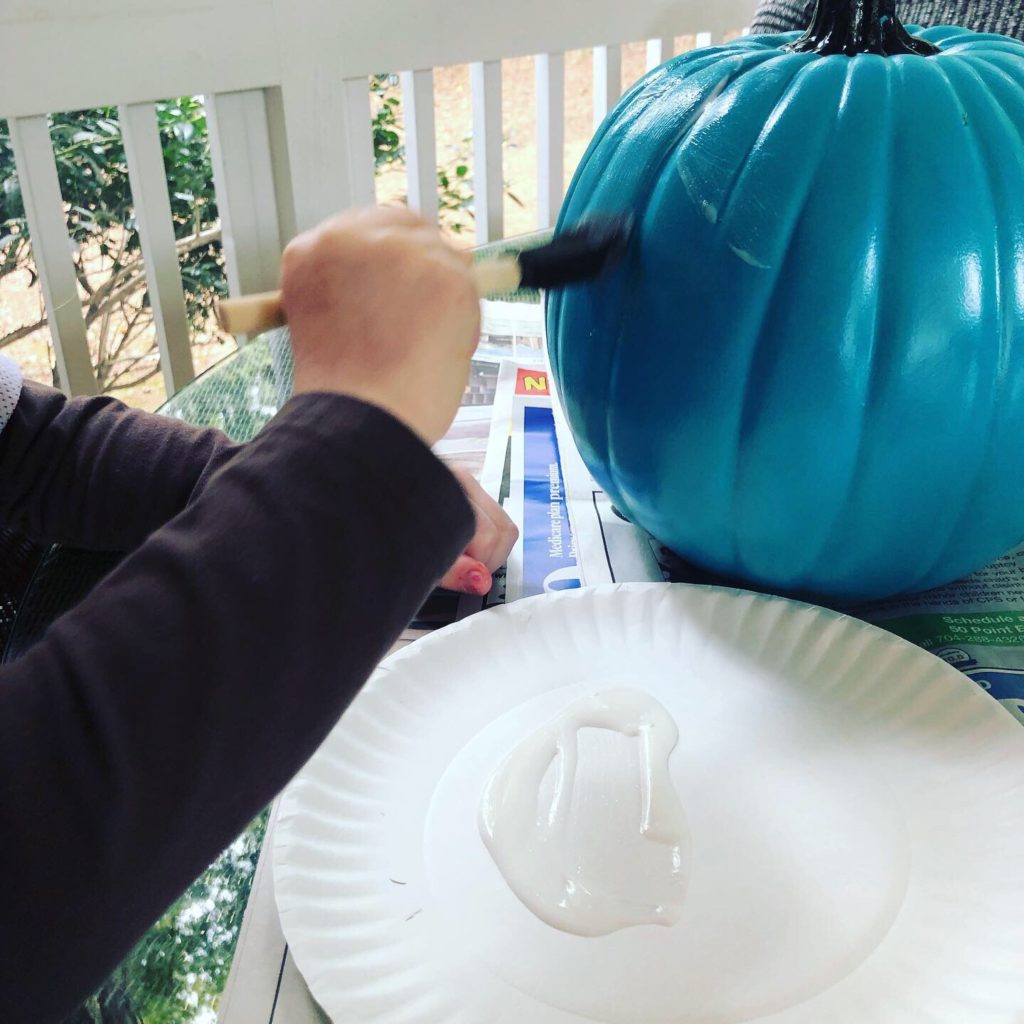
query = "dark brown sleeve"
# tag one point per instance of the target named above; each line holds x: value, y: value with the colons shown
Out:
x: 92, y: 473
x: 153, y: 721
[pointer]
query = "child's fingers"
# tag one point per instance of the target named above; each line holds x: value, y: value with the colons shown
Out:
x: 495, y: 532
x: 467, y: 575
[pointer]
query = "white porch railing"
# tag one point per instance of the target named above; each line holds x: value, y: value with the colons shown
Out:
x: 287, y: 93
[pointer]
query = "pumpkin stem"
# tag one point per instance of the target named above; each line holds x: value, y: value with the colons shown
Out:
x: 859, y: 26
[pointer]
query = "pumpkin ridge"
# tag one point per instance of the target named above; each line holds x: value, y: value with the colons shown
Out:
x: 939, y: 35
x: 971, y: 60
x: 668, y: 154
x: 802, y: 75
x: 929, y: 571
x: 553, y: 305
x: 830, y: 534
x: 982, y: 95
x: 881, y: 353
x: 736, y: 173
x: 694, y: 61
x: 995, y: 64
x: 978, y: 44
x: 756, y: 312
x: 837, y: 535
x: 683, y: 67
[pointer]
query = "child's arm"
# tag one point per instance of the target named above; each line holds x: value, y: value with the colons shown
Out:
x: 92, y: 473
x: 150, y: 724
x: 156, y: 718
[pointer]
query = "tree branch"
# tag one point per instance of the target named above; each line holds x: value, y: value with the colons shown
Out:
x: 115, y: 385
x: 131, y: 276
x: 22, y: 332
x: 82, y: 277
x: 127, y: 365
x: 198, y: 240
x: 122, y: 247
x: 111, y: 292
x: 131, y: 319
x: 130, y: 287
x: 117, y: 270
x: 14, y: 256
x: 73, y: 147
x: 114, y: 292
x: 102, y: 351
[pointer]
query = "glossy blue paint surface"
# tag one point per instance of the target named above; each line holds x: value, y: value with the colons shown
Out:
x: 808, y: 372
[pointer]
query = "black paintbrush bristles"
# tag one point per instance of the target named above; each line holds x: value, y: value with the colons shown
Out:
x: 579, y: 253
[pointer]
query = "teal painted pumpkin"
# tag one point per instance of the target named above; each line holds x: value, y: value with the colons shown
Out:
x: 808, y: 371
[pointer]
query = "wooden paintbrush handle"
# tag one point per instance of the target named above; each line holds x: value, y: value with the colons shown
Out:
x: 250, y: 314
x: 495, y: 277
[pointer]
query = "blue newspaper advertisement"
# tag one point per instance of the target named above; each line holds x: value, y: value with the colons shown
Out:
x: 545, y: 558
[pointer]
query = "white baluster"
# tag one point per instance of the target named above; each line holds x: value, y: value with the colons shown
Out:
x: 51, y: 251
x: 315, y: 103
x: 659, y: 51
x: 243, y: 174
x: 359, y: 141
x: 420, y: 143
x: 549, y: 70
x: 488, y: 173
x: 607, y: 80
x: 277, y: 138
x: 156, y: 235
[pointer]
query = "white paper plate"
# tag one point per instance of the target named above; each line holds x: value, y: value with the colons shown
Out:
x: 856, y: 810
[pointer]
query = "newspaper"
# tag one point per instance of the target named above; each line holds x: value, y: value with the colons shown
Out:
x: 479, y: 438
x: 511, y: 330
x: 545, y: 556
x: 976, y: 624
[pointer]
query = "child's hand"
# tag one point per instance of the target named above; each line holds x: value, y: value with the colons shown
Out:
x: 490, y: 546
x: 382, y: 308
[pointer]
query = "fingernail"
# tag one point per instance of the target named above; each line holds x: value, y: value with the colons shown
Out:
x: 479, y: 581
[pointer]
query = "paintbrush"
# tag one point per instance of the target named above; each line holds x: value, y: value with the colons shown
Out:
x: 579, y: 253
